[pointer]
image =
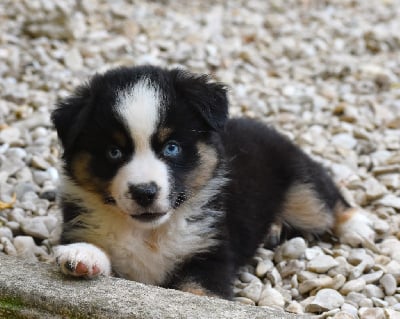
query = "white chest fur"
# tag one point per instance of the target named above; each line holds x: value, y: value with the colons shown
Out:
x: 147, y: 255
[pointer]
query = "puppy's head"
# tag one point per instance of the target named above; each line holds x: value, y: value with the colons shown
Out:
x: 142, y: 139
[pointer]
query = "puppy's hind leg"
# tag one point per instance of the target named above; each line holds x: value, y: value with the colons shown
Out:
x: 316, y: 211
x: 304, y: 210
x: 352, y: 225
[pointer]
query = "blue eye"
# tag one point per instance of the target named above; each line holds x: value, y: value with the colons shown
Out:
x: 171, y: 149
x: 114, y: 153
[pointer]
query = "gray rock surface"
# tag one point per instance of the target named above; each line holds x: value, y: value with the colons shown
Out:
x: 38, y: 290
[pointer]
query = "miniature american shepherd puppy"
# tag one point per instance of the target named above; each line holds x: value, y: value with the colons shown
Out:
x: 160, y: 187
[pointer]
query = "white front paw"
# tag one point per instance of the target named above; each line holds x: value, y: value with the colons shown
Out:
x: 82, y: 260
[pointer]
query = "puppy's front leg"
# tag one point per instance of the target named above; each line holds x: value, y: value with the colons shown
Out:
x: 205, y: 276
x: 82, y: 260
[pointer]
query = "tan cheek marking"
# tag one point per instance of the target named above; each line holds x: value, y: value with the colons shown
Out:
x: 82, y: 174
x: 304, y: 210
x: 203, y: 173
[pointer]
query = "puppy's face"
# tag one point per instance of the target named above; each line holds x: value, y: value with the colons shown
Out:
x: 142, y: 139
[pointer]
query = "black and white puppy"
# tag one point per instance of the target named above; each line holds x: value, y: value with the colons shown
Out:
x: 159, y: 186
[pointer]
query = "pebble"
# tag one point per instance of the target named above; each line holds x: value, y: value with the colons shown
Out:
x: 372, y: 277
x: 325, y: 299
x: 350, y: 309
x: 25, y: 247
x: 356, y: 285
x: 6, y: 232
x: 252, y: 291
x: 294, y: 307
x: 35, y: 227
x: 321, y: 263
x: 293, y: 248
x: 271, y: 297
x: 263, y: 266
x: 373, y: 291
x: 321, y: 282
x: 389, y: 284
x: 371, y: 313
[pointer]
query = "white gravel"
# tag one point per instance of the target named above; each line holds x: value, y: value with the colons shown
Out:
x: 326, y: 73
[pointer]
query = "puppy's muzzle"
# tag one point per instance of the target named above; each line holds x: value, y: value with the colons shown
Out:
x: 144, y: 194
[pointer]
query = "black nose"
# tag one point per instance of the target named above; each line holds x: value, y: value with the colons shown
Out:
x: 144, y: 194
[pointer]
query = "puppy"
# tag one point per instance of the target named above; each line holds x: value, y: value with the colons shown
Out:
x: 159, y: 186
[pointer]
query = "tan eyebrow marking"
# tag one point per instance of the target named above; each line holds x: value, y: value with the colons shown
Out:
x: 163, y: 133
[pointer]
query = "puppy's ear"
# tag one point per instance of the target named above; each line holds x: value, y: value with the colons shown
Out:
x: 209, y: 98
x: 70, y: 116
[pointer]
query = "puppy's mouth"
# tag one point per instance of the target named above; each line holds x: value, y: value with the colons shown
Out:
x: 148, y: 216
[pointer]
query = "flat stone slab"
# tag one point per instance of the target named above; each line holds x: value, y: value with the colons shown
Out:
x: 37, y: 290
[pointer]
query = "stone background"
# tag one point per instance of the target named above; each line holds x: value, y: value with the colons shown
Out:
x: 325, y: 73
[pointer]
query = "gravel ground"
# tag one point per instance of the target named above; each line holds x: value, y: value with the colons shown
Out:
x: 326, y: 73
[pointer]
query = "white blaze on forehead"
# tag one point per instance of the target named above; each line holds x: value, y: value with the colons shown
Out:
x: 140, y: 107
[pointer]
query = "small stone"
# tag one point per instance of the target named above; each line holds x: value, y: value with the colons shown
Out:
x: 274, y: 277
x: 321, y: 282
x: 393, y: 267
x: 38, y: 162
x: 290, y: 267
x: 371, y: 313
x: 366, y: 303
x: 338, y: 282
x: 294, y: 307
x: 321, y: 263
x: 379, y: 302
x: 40, y: 176
x: 25, y: 247
x: 381, y: 226
x: 271, y: 297
x: 350, y: 309
x: 373, y: 291
x: 344, y: 140
x: 374, y: 189
x: 325, y: 300
x: 390, y: 201
x: 293, y: 248
x: 6, y: 232
x: 354, y: 298
x: 372, y: 277
x: 356, y: 285
x: 313, y: 252
x: 343, y: 267
x: 9, y: 135
x: 252, y: 291
x: 263, y: 267
x: 73, y: 59
x: 13, y: 226
x: 389, y: 284
x: 35, y: 227
x: 391, y: 314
